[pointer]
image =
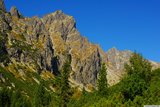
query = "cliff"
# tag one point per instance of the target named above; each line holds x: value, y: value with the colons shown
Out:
x: 44, y: 44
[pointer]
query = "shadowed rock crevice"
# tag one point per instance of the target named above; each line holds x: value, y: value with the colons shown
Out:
x: 55, y: 64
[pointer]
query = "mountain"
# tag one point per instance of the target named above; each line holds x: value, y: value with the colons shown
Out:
x: 2, y: 7
x: 42, y: 45
x: 116, y: 60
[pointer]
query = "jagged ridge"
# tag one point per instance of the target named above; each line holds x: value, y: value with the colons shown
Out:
x: 43, y: 44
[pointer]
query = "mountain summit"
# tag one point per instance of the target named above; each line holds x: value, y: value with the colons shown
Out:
x: 44, y: 44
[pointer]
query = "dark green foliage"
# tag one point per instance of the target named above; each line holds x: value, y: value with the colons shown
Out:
x: 10, y: 98
x: 3, y: 52
x: 139, y: 66
x: 64, y: 90
x: 23, y: 94
x: 132, y: 86
x: 1, y: 12
x: 18, y: 100
x: 42, y: 96
x: 5, y: 99
x: 26, y: 86
x: 85, y: 100
x: 138, y: 77
x: 102, y: 81
x: 152, y: 94
x: 138, y: 88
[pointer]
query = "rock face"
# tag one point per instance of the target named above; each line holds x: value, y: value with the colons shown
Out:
x: 2, y: 7
x: 14, y: 12
x: 116, y: 60
x: 44, y: 44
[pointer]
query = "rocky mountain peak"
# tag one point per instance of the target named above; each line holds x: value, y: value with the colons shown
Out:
x: 2, y: 6
x: 115, y: 61
x: 45, y: 42
x: 59, y: 15
x: 58, y: 22
x: 114, y: 55
x: 113, y: 50
x: 50, y: 39
x: 14, y: 12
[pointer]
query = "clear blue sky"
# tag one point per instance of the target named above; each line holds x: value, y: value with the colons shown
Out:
x: 125, y: 24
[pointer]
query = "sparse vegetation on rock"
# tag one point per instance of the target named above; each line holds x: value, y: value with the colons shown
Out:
x: 45, y: 62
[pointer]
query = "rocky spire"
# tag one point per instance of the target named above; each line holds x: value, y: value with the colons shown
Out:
x: 14, y: 12
x: 2, y: 6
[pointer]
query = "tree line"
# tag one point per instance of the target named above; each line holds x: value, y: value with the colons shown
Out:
x: 139, y: 86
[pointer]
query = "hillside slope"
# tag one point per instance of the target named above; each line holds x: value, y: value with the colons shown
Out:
x: 44, y: 44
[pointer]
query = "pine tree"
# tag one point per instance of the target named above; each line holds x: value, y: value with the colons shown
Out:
x: 64, y: 90
x: 5, y: 99
x: 42, y: 98
x: 138, y: 77
x: 102, y: 80
x: 61, y: 83
x: 139, y: 66
x: 18, y: 100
